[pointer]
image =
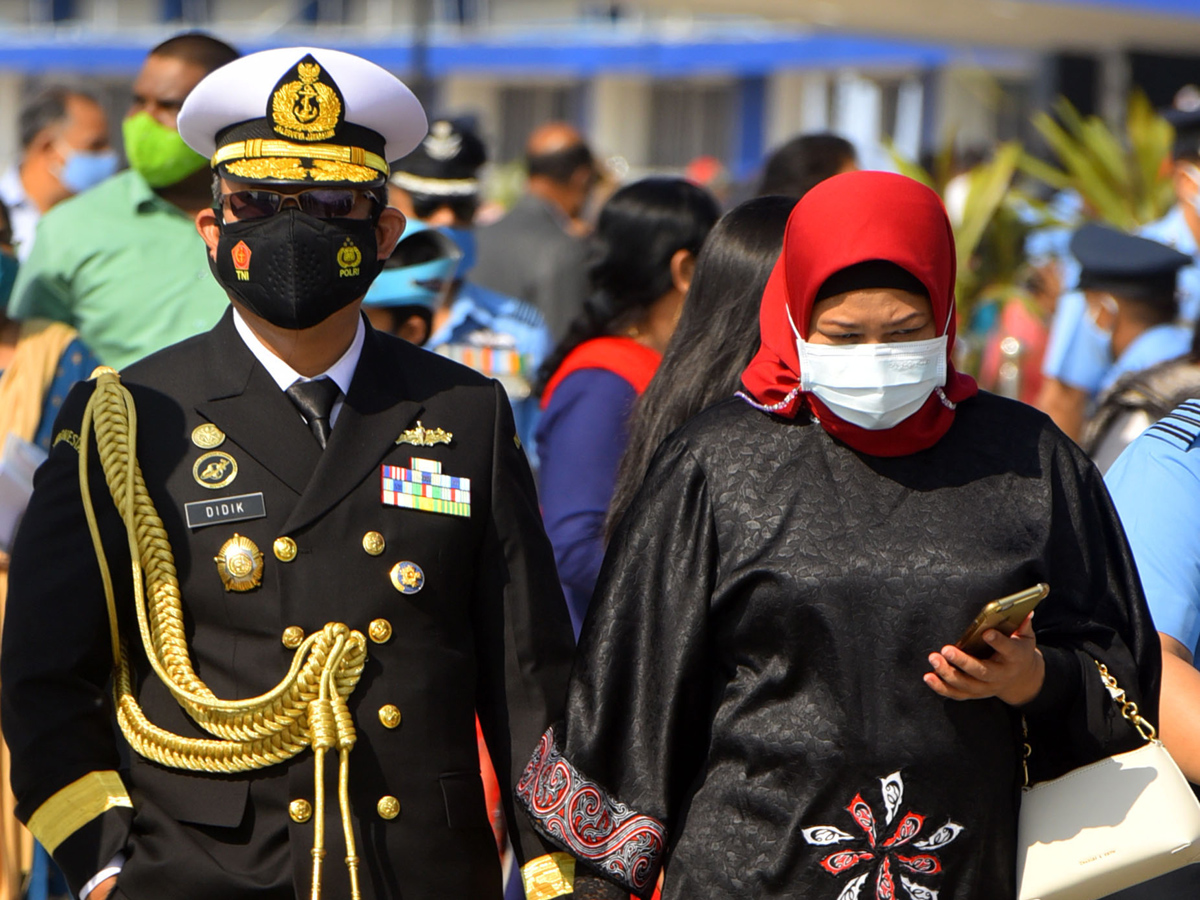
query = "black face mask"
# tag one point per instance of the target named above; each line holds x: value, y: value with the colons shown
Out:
x: 295, y: 270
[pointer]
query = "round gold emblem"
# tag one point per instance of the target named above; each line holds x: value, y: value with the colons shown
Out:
x: 389, y: 716
x: 374, y: 543
x: 407, y: 577
x: 285, y: 549
x: 300, y: 811
x: 388, y: 807
x: 240, y: 564
x: 380, y: 631
x: 293, y: 636
x: 215, y: 469
x: 207, y: 436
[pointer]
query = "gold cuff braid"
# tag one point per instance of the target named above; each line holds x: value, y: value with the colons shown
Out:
x: 75, y: 805
x: 549, y: 876
x: 308, y: 707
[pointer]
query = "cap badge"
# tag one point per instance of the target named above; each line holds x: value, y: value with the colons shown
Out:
x: 241, y: 260
x: 306, y: 105
x: 349, y: 258
x: 442, y: 143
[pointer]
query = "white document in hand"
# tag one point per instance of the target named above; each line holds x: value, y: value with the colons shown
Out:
x: 17, y: 465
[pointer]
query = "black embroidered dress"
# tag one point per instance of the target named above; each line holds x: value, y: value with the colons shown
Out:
x: 748, y: 708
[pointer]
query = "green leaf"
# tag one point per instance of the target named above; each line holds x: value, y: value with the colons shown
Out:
x: 1122, y: 178
x: 907, y: 167
x: 990, y: 182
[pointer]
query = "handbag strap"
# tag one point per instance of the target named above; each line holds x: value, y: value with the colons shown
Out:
x: 1129, y: 710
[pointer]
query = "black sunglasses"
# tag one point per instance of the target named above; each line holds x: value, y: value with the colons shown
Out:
x: 320, y: 203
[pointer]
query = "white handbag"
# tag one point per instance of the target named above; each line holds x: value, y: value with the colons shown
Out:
x: 1107, y: 826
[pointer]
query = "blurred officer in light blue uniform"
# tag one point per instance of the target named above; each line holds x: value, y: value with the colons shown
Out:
x: 500, y: 336
x: 1131, y: 287
x: 1076, y: 365
x: 1155, y: 486
x: 415, y: 281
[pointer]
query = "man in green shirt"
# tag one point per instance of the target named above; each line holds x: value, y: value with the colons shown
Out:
x: 122, y: 262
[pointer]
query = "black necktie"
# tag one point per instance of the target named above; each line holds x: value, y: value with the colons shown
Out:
x: 315, y: 401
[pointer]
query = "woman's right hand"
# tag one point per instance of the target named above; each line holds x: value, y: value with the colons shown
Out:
x: 1014, y: 673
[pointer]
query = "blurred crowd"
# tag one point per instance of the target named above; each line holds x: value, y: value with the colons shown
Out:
x: 611, y: 313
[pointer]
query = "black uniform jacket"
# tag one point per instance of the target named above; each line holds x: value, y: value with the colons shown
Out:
x: 487, y: 632
x: 781, y: 593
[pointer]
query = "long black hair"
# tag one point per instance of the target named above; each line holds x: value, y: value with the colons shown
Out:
x: 640, y: 228
x: 716, y: 336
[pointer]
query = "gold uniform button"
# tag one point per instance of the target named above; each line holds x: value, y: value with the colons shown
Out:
x: 301, y: 810
x: 374, y: 543
x: 389, y: 715
x: 380, y: 630
x: 293, y: 636
x: 285, y: 549
x: 388, y: 807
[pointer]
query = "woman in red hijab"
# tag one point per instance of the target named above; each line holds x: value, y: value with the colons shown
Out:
x: 766, y: 699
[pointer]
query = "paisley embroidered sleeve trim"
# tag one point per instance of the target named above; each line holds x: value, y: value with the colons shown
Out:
x: 580, y: 816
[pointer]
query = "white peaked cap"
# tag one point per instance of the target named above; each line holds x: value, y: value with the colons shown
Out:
x: 242, y: 91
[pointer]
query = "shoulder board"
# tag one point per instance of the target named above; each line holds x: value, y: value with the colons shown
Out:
x: 1180, y: 427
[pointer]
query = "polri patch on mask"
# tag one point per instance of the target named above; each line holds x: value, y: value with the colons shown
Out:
x: 226, y: 509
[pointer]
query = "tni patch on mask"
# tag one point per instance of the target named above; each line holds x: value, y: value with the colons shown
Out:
x: 241, y: 260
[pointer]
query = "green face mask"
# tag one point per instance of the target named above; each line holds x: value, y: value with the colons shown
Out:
x: 158, y: 153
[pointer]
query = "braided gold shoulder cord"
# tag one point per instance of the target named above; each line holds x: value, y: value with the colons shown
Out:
x: 308, y: 707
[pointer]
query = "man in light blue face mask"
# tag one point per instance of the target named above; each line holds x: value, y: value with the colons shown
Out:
x: 65, y: 149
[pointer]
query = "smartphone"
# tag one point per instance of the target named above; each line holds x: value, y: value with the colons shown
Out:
x: 1005, y: 615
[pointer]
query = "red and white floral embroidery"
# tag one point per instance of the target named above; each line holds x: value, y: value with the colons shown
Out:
x: 577, y: 813
x: 884, y: 859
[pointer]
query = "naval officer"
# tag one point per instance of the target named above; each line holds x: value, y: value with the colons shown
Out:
x: 292, y: 557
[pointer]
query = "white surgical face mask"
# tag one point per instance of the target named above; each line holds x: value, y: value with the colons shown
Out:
x: 873, y: 386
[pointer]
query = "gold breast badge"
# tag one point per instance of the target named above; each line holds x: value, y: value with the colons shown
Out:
x: 208, y: 436
x: 215, y: 469
x: 407, y: 577
x: 240, y: 564
x: 424, y: 437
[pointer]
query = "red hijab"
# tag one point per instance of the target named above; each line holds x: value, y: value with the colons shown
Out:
x: 850, y: 219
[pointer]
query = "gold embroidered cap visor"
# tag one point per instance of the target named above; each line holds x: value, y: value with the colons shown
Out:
x: 302, y: 115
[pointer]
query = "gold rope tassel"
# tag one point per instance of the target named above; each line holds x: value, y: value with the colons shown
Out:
x: 307, y: 708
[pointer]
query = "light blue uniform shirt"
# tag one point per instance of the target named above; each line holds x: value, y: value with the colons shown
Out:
x: 1155, y: 485
x: 1152, y: 346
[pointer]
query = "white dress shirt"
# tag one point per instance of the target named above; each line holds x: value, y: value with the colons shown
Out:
x: 341, y: 372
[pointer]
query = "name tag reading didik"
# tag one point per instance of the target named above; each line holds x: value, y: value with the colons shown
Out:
x: 226, y: 509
